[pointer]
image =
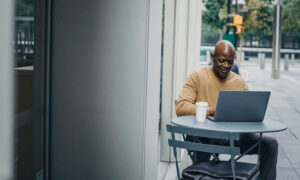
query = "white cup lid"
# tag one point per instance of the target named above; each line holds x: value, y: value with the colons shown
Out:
x: 201, y: 104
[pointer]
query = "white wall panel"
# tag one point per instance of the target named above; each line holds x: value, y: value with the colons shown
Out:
x: 194, y: 35
x: 167, y: 79
x: 6, y: 90
x: 182, y: 34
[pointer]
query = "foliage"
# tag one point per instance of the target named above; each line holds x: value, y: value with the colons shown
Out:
x: 208, y: 31
x: 291, y: 19
x: 258, y: 19
x: 25, y: 8
x: 214, y: 15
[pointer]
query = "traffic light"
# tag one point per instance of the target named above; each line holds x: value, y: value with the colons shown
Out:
x: 237, y: 20
x: 239, y: 29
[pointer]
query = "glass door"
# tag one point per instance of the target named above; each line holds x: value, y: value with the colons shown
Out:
x: 30, y: 89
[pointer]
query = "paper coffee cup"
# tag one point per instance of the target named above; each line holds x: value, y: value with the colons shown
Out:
x: 201, y: 109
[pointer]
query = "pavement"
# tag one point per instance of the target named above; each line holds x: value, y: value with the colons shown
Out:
x: 284, y: 107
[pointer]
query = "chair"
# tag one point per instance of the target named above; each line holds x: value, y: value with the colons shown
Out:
x: 190, y: 152
x: 212, y: 169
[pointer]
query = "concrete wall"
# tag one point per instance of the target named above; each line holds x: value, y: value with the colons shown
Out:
x: 6, y: 90
x: 105, y: 66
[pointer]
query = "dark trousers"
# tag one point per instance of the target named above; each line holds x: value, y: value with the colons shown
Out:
x: 269, y: 151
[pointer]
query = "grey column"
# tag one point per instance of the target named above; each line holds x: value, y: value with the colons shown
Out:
x: 276, y: 42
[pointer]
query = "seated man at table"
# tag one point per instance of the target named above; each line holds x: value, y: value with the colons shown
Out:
x: 204, y: 85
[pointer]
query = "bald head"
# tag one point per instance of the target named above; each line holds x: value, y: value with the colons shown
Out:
x: 223, y: 58
x: 224, y: 46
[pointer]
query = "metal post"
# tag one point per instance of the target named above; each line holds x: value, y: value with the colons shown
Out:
x: 236, y: 36
x: 276, y: 42
x: 293, y: 59
x: 228, y: 17
x: 286, y: 62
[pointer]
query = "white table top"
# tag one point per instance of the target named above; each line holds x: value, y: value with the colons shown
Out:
x: 240, y: 127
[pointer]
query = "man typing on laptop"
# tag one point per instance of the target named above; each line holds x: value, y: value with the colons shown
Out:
x: 204, y: 85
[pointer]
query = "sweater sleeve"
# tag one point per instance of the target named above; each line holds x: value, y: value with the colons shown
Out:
x: 187, y: 97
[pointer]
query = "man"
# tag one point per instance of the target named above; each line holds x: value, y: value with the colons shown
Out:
x: 204, y: 85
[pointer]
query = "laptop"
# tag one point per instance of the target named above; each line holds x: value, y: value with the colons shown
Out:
x: 241, y: 106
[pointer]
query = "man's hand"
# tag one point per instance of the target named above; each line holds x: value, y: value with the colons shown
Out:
x: 210, y: 111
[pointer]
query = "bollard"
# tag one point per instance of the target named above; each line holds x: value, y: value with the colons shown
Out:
x: 245, y: 75
x: 262, y: 61
x: 207, y: 56
x: 238, y: 57
x: 286, y: 62
x: 243, y: 56
x: 293, y: 59
x: 259, y: 59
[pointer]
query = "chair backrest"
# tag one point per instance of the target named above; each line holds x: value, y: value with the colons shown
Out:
x: 201, y: 146
x: 210, y: 148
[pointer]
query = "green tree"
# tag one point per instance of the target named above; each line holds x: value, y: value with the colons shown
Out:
x: 291, y: 16
x: 258, y: 19
x: 214, y: 16
x: 25, y: 8
x: 209, y: 32
x: 291, y: 20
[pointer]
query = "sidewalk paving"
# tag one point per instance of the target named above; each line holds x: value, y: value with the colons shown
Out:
x: 284, y: 106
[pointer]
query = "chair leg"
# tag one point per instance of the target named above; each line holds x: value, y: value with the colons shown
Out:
x: 259, y: 149
x: 233, y: 166
x: 232, y: 156
x: 190, y: 153
x: 175, y: 153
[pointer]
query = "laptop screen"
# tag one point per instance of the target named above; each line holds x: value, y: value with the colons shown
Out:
x: 241, y: 106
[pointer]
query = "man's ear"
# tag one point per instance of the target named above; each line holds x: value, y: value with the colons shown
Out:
x: 212, y: 57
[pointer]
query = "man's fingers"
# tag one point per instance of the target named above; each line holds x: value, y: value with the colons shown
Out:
x: 210, y: 111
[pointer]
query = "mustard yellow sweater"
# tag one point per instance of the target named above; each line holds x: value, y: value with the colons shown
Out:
x: 203, y: 85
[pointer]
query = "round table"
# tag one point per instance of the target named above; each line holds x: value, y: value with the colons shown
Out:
x: 266, y: 126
